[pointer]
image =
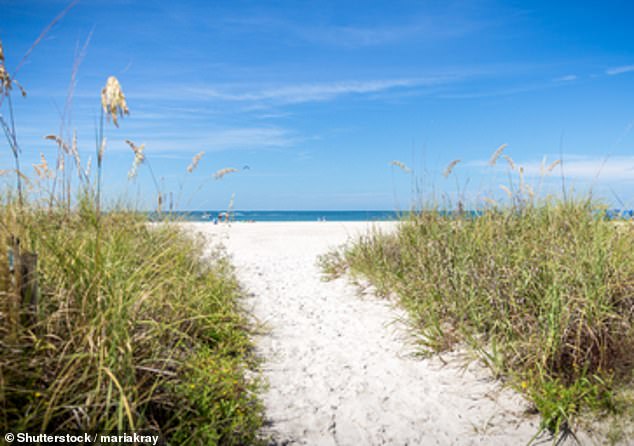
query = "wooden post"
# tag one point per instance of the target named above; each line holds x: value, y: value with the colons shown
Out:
x: 12, y: 280
x: 29, y: 292
x: 22, y: 288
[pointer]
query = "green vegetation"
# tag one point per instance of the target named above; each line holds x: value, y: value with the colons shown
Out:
x: 543, y: 293
x: 150, y: 337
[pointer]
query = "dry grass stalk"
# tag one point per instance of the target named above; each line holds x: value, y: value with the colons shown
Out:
x: 507, y: 190
x: 113, y: 100
x: 510, y: 161
x: 222, y: 172
x: 5, y: 80
x: 400, y: 165
x: 139, y: 157
x: 497, y: 154
x: 60, y: 142
x: 450, y: 168
x: 195, y: 160
x: 102, y: 149
x: 87, y: 169
x: 42, y: 170
x: 75, y: 151
x: 553, y: 165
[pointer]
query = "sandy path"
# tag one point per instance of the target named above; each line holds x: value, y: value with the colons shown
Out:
x: 339, y: 366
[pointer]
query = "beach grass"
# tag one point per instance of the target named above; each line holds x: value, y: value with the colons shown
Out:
x: 108, y: 323
x: 150, y: 337
x: 544, y: 293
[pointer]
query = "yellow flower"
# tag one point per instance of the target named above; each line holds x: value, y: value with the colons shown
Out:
x: 38, y: 395
x: 524, y: 385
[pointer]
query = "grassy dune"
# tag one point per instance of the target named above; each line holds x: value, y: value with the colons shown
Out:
x: 543, y: 293
x: 141, y: 333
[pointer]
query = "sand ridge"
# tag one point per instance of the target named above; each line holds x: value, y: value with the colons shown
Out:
x: 339, y: 365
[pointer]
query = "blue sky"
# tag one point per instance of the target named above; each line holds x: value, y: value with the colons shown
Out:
x: 318, y: 97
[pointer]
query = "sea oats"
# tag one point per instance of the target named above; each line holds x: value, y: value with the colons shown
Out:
x: 139, y: 157
x: 510, y: 161
x: 401, y: 166
x: 5, y: 80
x: 450, y: 168
x: 88, y: 165
x: 497, y: 154
x: 60, y: 142
x: 222, y: 172
x: 113, y: 100
x: 553, y: 165
x: 195, y: 160
x: 42, y: 170
x: 75, y: 151
x: 507, y: 190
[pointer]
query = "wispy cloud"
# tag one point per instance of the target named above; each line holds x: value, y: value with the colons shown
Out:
x: 605, y: 169
x: 430, y: 27
x: 362, y: 36
x: 619, y: 70
x: 225, y: 139
x: 567, y: 78
x: 575, y: 167
x: 314, y: 92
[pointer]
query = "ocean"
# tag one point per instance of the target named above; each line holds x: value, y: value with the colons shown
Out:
x: 199, y: 216
x: 290, y: 215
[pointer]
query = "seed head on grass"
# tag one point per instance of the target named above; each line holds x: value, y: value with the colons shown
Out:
x: 507, y: 190
x: 510, y: 161
x: 450, y: 168
x: 5, y: 80
x: 219, y: 175
x: 88, y: 166
x: 113, y: 100
x: 195, y: 160
x: 42, y: 170
x: 60, y: 142
x: 139, y: 157
x: 553, y: 165
x: 401, y: 165
x: 497, y: 154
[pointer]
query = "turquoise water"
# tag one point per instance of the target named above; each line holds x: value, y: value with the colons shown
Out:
x: 613, y: 214
x: 292, y: 215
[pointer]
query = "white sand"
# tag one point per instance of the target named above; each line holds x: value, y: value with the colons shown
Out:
x: 340, y: 368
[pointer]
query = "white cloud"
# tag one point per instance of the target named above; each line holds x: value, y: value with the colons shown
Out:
x: 619, y: 168
x: 314, y: 92
x: 619, y: 70
x: 567, y: 78
x: 242, y: 138
x: 604, y: 169
x: 256, y: 137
